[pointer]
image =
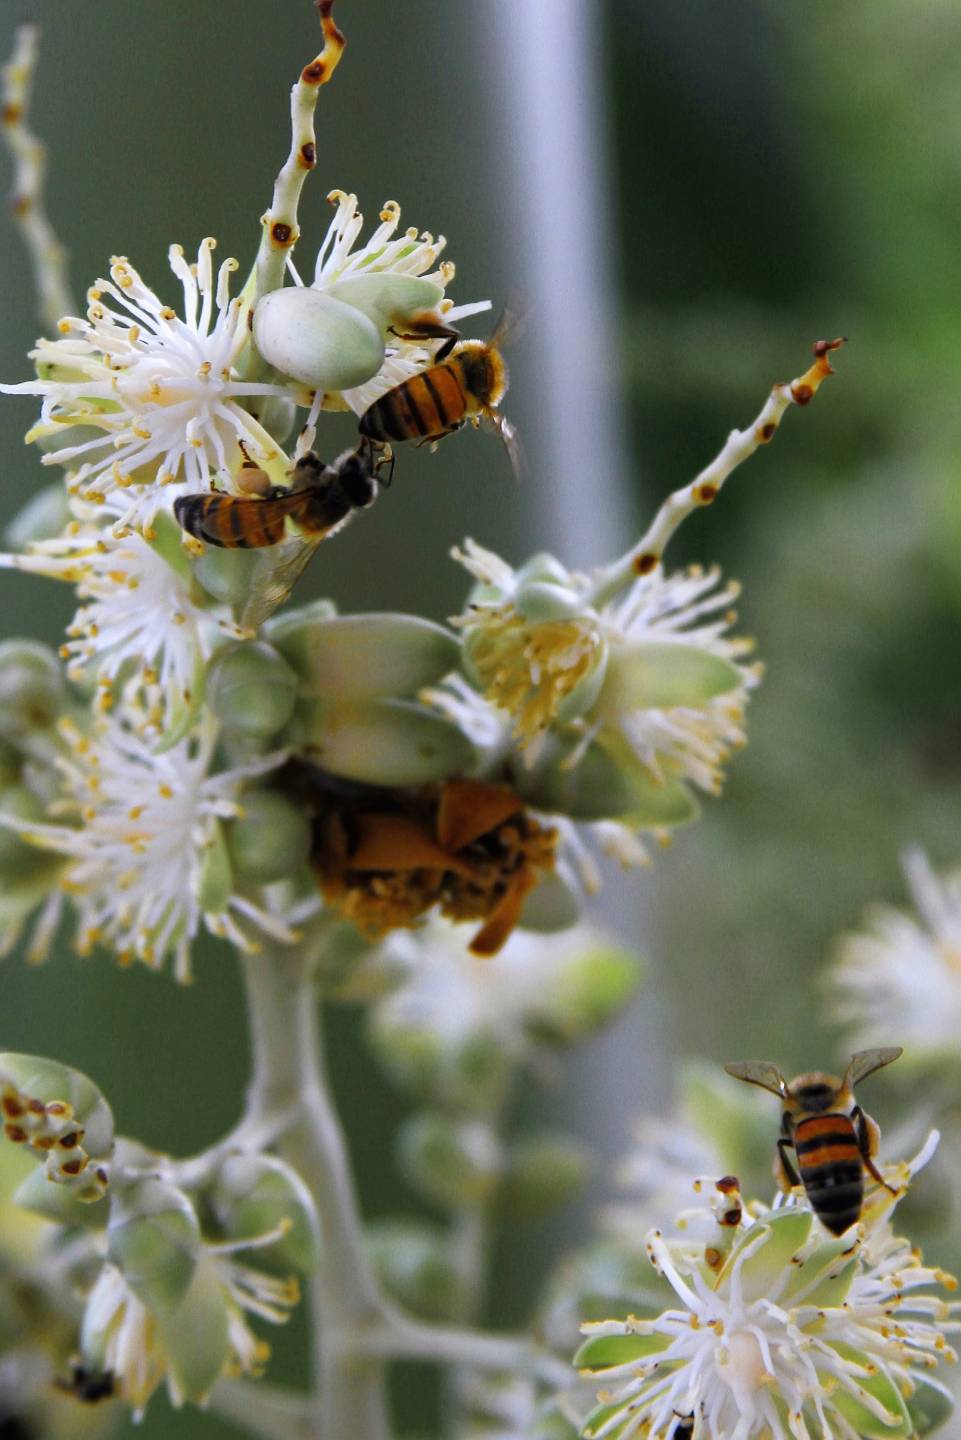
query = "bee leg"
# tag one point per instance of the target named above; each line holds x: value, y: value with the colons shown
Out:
x: 430, y: 328
x: 433, y: 439
x: 784, y: 1172
x: 869, y: 1136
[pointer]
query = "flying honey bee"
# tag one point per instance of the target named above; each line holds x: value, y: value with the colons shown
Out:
x: 319, y: 501
x: 833, y: 1140
x: 90, y: 1386
x: 467, y: 382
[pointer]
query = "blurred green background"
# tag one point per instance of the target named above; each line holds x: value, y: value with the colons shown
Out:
x: 782, y: 174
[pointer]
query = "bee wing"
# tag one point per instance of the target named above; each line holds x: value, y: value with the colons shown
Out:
x: 759, y: 1072
x: 512, y: 444
x: 866, y: 1061
x: 275, y: 574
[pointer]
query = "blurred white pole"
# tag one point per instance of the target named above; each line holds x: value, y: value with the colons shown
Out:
x: 559, y: 234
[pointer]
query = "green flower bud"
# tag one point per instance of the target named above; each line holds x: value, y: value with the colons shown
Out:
x: 555, y: 903
x: 544, y: 1171
x: 315, y: 339
x: 227, y: 575
x: 540, y: 600
x: 271, y: 841
x: 289, y: 623
x: 154, y: 1238
x: 382, y: 742
x: 386, y: 298
x: 601, y: 787
x: 414, y: 1263
x: 650, y: 674
x: 215, y: 882
x: 471, y: 1073
x: 452, y: 1162
x: 32, y: 690
x: 45, y: 515
x: 542, y: 566
x: 251, y: 689
x: 590, y: 988
x: 252, y: 1195
x: 363, y: 657
x: 196, y: 1336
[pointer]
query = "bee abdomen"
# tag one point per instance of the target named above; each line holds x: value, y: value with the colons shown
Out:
x: 830, y: 1164
x: 427, y: 404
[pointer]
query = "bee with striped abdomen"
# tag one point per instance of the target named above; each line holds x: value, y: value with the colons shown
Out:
x: 466, y: 385
x: 833, y: 1140
x: 318, y: 502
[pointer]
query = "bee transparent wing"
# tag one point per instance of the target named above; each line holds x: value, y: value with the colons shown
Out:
x: 759, y: 1072
x: 513, y: 446
x: 867, y: 1061
x: 275, y: 574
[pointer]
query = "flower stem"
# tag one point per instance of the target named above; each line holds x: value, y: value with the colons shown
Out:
x: 705, y: 487
x: 47, y: 255
x: 288, y: 1074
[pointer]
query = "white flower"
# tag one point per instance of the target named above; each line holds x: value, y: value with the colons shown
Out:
x: 901, y: 975
x: 162, y: 389
x: 650, y: 674
x: 385, y: 253
x: 121, y: 1335
x: 139, y: 622
x: 779, y: 1333
x: 148, y: 860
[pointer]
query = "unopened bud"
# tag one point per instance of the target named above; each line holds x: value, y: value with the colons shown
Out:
x: 316, y: 339
x: 452, y: 1162
x: 32, y: 690
x: 383, y: 742
x: 154, y: 1238
x: 361, y: 657
x: 251, y: 689
x: 386, y: 298
x: 602, y: 787
x: 591, y: 987
x: 271, y: 841
x: 414, y: 1263
x: 543, y: 1172
x: 254, y: 1194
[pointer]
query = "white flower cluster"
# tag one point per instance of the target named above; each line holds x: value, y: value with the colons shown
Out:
x: 779, y: 1331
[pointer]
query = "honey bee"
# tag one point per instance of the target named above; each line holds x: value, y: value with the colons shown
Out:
x: 90, y: 1386
x: 319, y: 501
x: 833, y: 1140
x: 466, y: 383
